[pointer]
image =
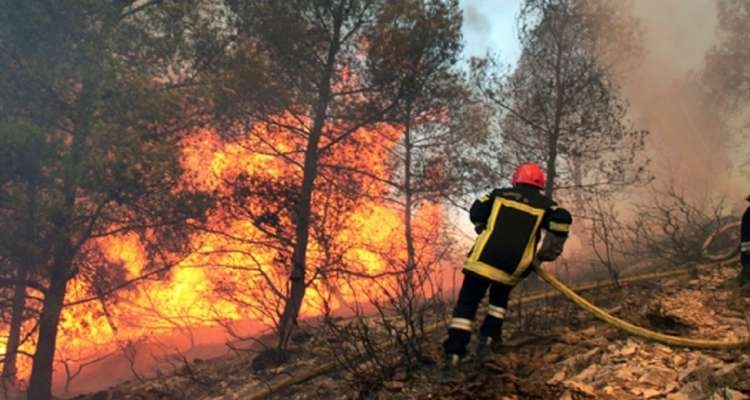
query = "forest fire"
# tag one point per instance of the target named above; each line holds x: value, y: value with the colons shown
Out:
x: 187, y: 186
x: 233, y: 272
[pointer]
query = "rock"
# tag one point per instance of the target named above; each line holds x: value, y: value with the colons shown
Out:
x: 730, y: 394
x: 727, y: 375
x: 664, y: 349
x: 587, y: 374
x: 659, y: 377
x: 728, y: 357
x: 691, y: 391
x: 578, y: 361
x: 626, y: 374
x: 678, y: 361
x: 557, y: 378
x: 580, y: 387
x: 651, y: 393
x: 694, y: 373
x: 629, y: 349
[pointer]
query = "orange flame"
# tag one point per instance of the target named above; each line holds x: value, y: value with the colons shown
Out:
x: 228, y: 279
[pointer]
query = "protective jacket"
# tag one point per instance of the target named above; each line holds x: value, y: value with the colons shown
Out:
x: 510, y: 222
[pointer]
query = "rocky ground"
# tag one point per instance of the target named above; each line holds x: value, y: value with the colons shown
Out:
x: 552, y: 351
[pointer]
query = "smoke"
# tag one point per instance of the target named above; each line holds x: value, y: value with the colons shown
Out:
x: 475, y: 20
x: 677, y: 33
x: 489, y: 26
x: 689, y: 145
x: 657, y: 51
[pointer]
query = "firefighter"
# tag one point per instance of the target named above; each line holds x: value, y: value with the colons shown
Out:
x: 745, y: 246
x: 508, y: 222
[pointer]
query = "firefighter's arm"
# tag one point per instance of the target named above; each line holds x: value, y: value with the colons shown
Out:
x: 557, y: 224
x: 480, y: 212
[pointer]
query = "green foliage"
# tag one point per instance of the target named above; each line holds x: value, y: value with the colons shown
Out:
x: 95, y: 113
x: 416, y: 44
x: 95, y: 98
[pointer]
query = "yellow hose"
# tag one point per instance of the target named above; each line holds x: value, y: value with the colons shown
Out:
x: 261, y: 391
x: 634, y: 329
x: 733, y: 252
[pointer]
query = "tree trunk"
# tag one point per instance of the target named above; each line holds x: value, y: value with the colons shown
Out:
x: 578, y: 181
x: 554, y: 135
x: 408, y: 208
x: 40, y: 383
x: 302, y: 218
x: 408, y: 297
x: 551, y: 166
x: 302, y: 234
x: 14, y: 333
x: 19, y: 291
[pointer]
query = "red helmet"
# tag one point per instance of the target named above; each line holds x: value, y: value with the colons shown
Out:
x: 530, y: 174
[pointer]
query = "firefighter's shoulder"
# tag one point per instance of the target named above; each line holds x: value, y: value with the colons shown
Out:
x: 508, y: 193
x: 491, y: 195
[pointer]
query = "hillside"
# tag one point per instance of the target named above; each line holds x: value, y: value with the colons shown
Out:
x: 551, y: 350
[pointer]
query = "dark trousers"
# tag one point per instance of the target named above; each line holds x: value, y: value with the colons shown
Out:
x: 745, y: 273
x: 472, y: 292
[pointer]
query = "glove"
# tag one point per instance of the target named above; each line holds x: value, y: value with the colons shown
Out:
x: 552, y: 247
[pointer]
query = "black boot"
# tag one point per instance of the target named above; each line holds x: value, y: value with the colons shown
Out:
x: 452, y: 369
x: 483, y: 347
x: 486, y: 347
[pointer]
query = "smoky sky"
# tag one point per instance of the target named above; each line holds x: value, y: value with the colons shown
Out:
x: 490, y: 27
x: 690, y: 142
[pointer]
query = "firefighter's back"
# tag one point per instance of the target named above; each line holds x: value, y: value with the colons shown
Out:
x: 506, y: 246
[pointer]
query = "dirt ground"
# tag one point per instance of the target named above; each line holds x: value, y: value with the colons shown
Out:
x: 552, y: 350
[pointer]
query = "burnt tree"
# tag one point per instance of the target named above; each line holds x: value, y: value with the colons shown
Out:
x: 561, y: 106
x: 321, y: 85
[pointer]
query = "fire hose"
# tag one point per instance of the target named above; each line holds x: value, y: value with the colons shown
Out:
x: 733, y: 250
x: 263, y: 390
x: 628, y: 327
x: 634, y: 329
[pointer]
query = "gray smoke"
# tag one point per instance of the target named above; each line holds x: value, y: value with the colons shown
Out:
x: 690, y: 142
